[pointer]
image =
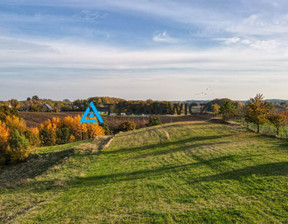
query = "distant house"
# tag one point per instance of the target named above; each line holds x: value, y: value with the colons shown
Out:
x: 102, y: 110
x: 48, y: 107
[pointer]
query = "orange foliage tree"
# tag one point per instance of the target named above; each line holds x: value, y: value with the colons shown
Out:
x: 69, y: 129
x: 4, y: 141
x: 16, y: 140
x: 277, y: 119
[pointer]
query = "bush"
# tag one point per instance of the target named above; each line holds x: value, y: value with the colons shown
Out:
x: 127, y: 126
x: 16, y: 139
x: 47, y: 137
x: 33, y: 137
x: 19, y: 147
x: 154, y: 121
x: 106, y: 129
x: 63, y: 135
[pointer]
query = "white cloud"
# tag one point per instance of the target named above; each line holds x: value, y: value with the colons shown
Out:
x: 228, y: 41
x: 261, y: 25
x: 267, y: 45
x: 246, y: 42
x: 163, y: 37
x: 48, y: 54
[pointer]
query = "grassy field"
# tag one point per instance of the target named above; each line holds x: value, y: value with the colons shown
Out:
x: 193, y: 172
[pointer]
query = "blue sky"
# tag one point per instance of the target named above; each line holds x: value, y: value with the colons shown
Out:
x: 164, y: 50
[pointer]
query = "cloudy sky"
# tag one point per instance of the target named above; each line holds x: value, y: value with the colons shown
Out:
x: 161, y: 49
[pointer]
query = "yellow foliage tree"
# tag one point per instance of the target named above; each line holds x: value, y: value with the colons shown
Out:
x: 68, y: 129
x: 16, y: 123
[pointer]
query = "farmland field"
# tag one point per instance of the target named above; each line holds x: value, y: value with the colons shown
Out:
x: 174, y: 173
x: 34, y: 119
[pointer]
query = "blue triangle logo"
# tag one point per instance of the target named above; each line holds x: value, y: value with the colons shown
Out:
x: 91, y: 112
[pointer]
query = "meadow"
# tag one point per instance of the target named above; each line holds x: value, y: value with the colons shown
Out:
x: 187, y: 172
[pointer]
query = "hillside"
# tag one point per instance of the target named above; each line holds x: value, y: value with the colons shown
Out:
x: 174, y: 173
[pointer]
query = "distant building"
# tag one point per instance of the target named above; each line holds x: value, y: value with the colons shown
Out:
x: 48, y: 107
x: 102, y: 110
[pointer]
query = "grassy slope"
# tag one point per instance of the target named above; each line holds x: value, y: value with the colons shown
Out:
x: 191, y: 172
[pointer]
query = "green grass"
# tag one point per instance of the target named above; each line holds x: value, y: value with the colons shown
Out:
x: 175, y: 173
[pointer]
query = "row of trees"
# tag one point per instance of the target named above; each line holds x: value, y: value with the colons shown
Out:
x: 68, y: 129
x: 257, y: 111
x: 17, y: 140
x: 35, y: 104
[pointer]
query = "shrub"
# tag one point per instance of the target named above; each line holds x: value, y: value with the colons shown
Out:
x: 63, y: 135
x: 76, y: 129
x: 19, y: 147
x: 47, y: 137
x: 94, y: 130
x: 154, y: 121
x: 33, y: 136
x: 16, y: 139
x: 127, y: 126
x: 106, y: 129
x: 47, y: 133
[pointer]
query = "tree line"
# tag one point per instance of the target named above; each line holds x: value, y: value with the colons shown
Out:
x: 257, y: 111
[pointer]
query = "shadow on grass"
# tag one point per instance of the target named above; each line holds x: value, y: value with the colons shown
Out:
x: 164, y: 144
x: 35, y: 165
x: 278, y: 143
x: 184, y: 148
x: 153, y: 128
x: 270, y: 169
x: 146, y: 173
x: 264, y: 170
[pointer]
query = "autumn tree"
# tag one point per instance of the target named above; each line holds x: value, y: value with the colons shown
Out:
x: 216, y: 108
x: 257, y: 111
x: 4, y: 141
x: 18, y: 148
x: 36, y: 98
x: 69, y: 129
x: 16, y: 140
x: 277, y: 119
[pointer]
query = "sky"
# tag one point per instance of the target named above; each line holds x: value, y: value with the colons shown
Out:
x: 161, y: 49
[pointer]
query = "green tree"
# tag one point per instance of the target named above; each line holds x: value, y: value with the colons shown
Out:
x: 153, y: 121
x: 19, y: 147
x: 227, y: 110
